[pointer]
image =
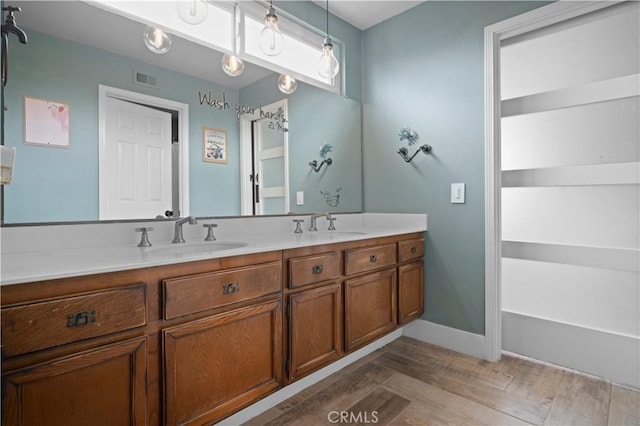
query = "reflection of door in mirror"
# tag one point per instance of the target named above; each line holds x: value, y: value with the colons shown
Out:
x: 265, y: 156
x: 139, y: 156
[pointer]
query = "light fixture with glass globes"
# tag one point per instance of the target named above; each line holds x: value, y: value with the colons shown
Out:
x: 232, y: 65
x: 192, y: 12
x: 271, y: 40
x: 157, y: 40
x: 328, y: 66
x: 287, y: 84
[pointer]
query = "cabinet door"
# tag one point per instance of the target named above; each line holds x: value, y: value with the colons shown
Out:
x: 219, y: 364
x: 410, y: 292
x: 103, y: 386
x: 370, y: 307
x: 315, y: 329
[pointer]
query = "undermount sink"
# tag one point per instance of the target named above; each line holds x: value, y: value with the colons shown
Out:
x: 203, y: 247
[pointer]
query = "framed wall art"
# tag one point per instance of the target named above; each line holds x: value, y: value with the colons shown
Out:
x: 214, y: 145
x: 46, y: 122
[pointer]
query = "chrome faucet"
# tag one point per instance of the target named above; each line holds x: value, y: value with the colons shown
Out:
x: 312, y: 224
x: 177, y: 236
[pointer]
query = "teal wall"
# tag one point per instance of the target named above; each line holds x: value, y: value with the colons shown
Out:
x: 317, y: 117
x: 424, y: 69
x: 67, y: 72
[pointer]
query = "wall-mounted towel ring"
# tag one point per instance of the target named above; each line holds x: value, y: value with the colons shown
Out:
x: 411, y: 136
x: 316, y: 168
x: 404, y: 152
x: 325, y: 149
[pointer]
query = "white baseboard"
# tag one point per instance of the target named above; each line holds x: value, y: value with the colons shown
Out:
x: 447, y: 337
x: 287, y: 392
x: 609, y: 355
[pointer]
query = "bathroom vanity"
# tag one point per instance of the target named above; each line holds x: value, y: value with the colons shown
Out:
x: 194, y: 341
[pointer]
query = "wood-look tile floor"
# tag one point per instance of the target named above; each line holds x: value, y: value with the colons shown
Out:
x: 412, y: 383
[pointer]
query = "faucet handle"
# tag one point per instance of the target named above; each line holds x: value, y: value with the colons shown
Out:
x: 298, y: 227
x: 332, y: 227
x: 210, y: 226
x: 144, y: 238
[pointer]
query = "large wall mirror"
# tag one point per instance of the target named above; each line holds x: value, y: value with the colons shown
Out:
x: 90, y: 68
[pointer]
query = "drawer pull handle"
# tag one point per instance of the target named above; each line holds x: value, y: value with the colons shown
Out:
x: 317, y: 270
x: 413, y: 250
x: 80, y: 319
x: 373, y: 258
x: 230, y: 288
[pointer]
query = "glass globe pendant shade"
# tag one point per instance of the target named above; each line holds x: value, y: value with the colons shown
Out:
x: 157, y: 40
x: 271, y: 40
x: 192, y: 11
x: 328, y: 66
x: 232, y: 65
x: 287, y: 84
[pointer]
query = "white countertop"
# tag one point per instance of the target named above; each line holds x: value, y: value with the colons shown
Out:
x: 52, y: 262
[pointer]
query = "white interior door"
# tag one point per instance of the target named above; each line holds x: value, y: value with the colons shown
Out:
x: 264, y: 165
x: 570, y: 154
x: 135, y: 162
x: 270, y: 169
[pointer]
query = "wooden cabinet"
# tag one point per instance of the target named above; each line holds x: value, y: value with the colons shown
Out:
x: 201, y: 292
x: 194, y: 342
x: 216, y: 365
x: 103, y: 386
x: 33, y: 326
x: 369, y: 258
x: 101, y: 381
x: 410, y: 280
x: 370, y: 307
x: 314, y: 314
x: 314, y: 268
x: 315, y: 329
x: 410, y: 292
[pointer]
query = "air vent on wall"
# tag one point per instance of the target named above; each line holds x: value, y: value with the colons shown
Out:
x: 144, y: 79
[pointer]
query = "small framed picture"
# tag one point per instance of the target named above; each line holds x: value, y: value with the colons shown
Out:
x: 214, y: 145
x: 46, y: 122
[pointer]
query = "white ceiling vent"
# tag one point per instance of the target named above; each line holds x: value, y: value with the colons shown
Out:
x: 144, y: 79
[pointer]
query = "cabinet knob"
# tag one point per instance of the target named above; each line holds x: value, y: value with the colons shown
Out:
x: 230, y: 288
x: 413, y: 249
x: 317, y: 270
x: 373, y: 258
x: 80, y: 319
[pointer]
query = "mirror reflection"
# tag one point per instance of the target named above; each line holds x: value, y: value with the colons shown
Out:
x: 105, y: 129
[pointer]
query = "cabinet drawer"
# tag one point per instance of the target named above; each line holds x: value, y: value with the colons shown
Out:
x: 366, y: 259
x: 196, y: 293
x: 410, y: 249
x: 43, y: 325
x: 313, y: 269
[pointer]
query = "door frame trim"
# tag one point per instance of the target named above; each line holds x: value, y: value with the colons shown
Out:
x: 493, y: 34
x: 105, y: 92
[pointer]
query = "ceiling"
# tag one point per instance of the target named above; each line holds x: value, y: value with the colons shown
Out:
x: 364, y: 16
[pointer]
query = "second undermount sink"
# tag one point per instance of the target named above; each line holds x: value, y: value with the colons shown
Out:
x: 201, y: 247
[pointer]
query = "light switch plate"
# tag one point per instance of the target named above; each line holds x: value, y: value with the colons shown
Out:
x: 457, y: 193
x: 300, y: 198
